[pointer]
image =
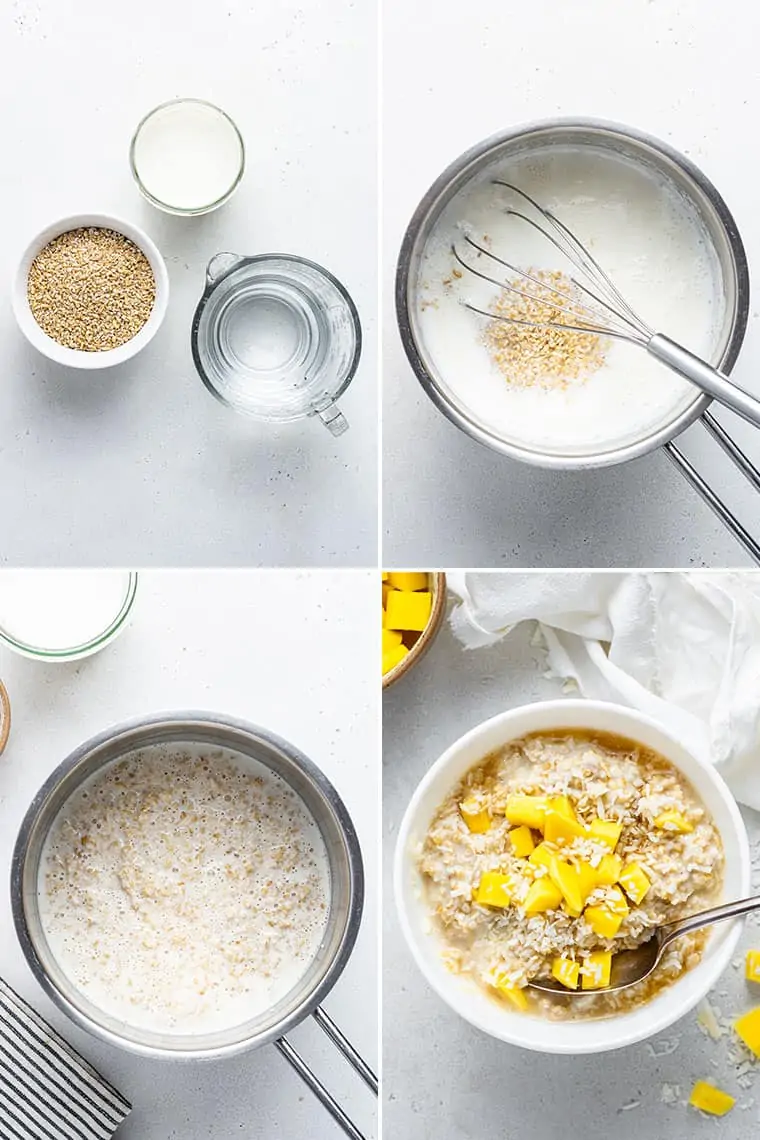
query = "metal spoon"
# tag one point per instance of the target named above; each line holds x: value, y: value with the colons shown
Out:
x: 632, y: 966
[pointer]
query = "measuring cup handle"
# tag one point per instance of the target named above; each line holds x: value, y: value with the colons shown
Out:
x: 332, y: 417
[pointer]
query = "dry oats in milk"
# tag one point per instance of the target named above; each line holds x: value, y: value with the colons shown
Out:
x: 184, y: 890
x: 558, y: 851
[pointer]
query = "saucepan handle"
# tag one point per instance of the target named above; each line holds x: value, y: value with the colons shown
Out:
x: 743, y: 464
x: 325, y: 1022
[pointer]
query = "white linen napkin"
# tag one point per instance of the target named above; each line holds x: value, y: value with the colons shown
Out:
x: 681, y: 647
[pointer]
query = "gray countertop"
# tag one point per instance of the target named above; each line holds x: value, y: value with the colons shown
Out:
x: 444, y: 1080
x: 448, y: 501
x: 296, y: 652
x: 139, y: 464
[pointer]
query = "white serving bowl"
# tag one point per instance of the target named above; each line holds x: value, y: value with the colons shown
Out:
x: 472, y: 1002
x: 72, y: 357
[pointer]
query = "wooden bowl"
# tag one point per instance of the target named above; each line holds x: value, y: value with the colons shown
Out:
x: 425, y: 639
x: 5, y: 716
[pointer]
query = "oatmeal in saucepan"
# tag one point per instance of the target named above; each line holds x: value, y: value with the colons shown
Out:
x: 560, y: 850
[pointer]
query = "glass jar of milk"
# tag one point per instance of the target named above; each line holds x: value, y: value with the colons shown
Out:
x: 187, y: 157
x: 62, y: 615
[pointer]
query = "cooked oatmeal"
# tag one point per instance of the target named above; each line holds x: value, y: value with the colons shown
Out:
x: 560, y: 850
x: 184, y: 890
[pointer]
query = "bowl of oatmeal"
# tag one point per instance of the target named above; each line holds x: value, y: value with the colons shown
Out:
x: 546, y: 841
x: 187, y: 886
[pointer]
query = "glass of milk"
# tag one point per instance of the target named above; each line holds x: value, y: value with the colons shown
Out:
x: 62, y: 615
x: 187, y: 157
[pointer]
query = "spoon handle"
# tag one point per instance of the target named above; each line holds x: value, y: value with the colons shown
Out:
x: 706, y: 917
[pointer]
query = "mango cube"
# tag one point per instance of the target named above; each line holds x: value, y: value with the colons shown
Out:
x: 514, y: 994
x: 384, y: 576
x: 567, y: 972
x: 530, y: 810
x: 752, y: 966
x: 606, y: 918
x: 609, y: 870
x: 542, y: 855
x: 595, y: 971
x: 707, y: 1098
x: 563, y: 806
x: 559, y: 828
x: 542, y: 895
x: 748, y: 1028
x: 408, y: 580
x: 391, y: 638
x: 673, y: 821
x: 392, y: 657
x: 494, y: 889
x: 587, y: 878
x: 565, y: 878
x: 477, y: 818
x: 407, y: 610
x: 605, y: 831
x: 522, y: 841
x: 634, y: 882
x: 386, y: 591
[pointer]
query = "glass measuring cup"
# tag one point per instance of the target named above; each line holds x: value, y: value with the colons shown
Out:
x: 276, y: 337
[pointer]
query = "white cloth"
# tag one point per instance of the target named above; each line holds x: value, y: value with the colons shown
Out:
x: 681, y: 647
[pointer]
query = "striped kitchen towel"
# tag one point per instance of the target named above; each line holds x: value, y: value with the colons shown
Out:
x: 47, y: 1091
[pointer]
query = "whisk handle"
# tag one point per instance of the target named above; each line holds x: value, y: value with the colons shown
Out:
x: 705, y: 377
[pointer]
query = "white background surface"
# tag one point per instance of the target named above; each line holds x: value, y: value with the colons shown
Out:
x: 479, y: 69
x: 140, y: 464
x: 296, y: 653
x: 444, y: 1080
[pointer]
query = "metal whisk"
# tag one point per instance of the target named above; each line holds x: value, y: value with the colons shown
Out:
x: 597, y: 306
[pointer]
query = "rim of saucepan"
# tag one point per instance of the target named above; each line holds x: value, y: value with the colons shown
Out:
x: 243, y: 259
x: 187, y: 721
x: 178, y: 211
x: 462, y: 420
x: 561, y: 708
x: 74, y: 357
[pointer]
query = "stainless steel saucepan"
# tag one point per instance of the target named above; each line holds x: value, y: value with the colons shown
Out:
x: 720, y: 234
x: 346, y: 898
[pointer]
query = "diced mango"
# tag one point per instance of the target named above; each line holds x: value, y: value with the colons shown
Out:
x: 407, y: 610
x: 560, y: 829
x: 634, y: 881
x: 392, y: 657
x: 748, y: 1028
x: 707, y: 1098
x: 530, y: 810
x: 477, y: 818
x: 565, y: 877
x: 605, y: 831
x: 673, y: 821
x: 542, y: 855
x: 587, y: 878
x: 384, y: 576
x: 542, y: 895
x: 514, y: 994
x: 608, y: 871
x: 604, y: 920
x: 522, y: 841
x: 386, y: 590
x: 494, y: 889
x: 567, y: 972
x: 595, y: 971
x: 391, y: 638
x: 563, y: 806
x: 408, y: 579
x: 752, y: 966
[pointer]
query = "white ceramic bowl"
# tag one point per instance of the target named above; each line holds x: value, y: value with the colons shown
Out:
x: 472, y: 1002
x: 71, y: 357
